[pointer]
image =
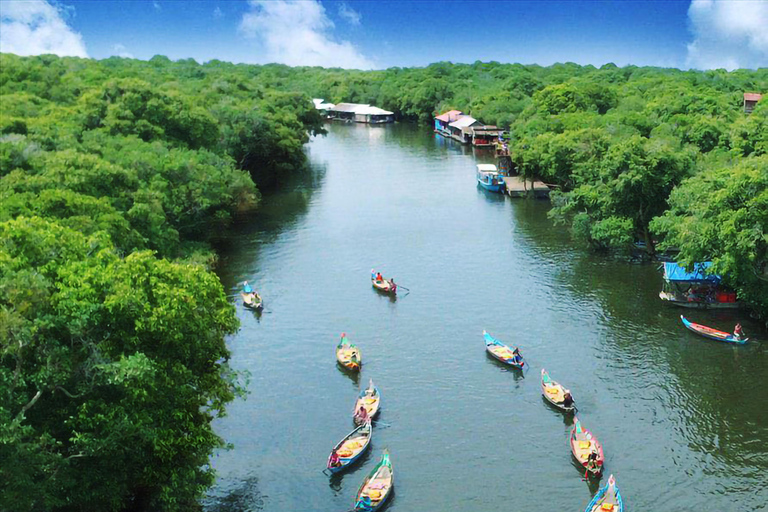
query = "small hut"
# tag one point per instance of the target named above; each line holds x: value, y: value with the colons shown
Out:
x: 750, y: 100
x: 443, y: 120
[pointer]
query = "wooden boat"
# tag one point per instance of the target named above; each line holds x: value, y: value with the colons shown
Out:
x: 583, y: 443
x: 607, y: 499
x: 555, y: 393
x: 377, y: 486
x: 252, y: 300
x: 370, y: 399
x: 348, y: 355
x: 711, y: 333
x: 489, y: 178
x: 385, y: 285
x: 351, y: 448
x: 502, y: 352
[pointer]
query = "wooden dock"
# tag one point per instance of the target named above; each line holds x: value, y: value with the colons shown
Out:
x: 517, y: 187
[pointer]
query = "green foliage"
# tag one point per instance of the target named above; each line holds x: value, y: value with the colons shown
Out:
x: 721, y: 214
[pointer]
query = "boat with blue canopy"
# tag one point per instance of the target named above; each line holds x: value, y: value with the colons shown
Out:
x: 607, y: 499
x: 490, y: 178
x: 696, y: 288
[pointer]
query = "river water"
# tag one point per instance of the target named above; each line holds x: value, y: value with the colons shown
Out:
x: 683, y: 421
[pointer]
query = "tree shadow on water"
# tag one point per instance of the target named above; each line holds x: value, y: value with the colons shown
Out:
x: 246, y: 497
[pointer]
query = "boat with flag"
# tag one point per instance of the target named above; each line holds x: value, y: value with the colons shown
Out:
x: 714, y: 334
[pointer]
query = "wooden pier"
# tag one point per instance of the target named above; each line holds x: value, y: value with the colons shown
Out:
x: 517, y: 187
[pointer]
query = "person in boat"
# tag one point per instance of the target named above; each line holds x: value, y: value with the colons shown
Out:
x: 361, y: 415
x: 738, y: 332
x: 379, y: 278
x: 335, y: 462
x: 567, y: 399
x: 591, y: 462
x: 364, y: 503
x: 516, y: 357
x: 393, y: 285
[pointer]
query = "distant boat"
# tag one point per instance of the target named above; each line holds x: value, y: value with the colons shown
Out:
x: 583, y: 443
x: 711, y: 333
x: 348, y: 355
x: 383, y: 285
x: 555, y: 393
x: 370, y: 400
x: 351, y: 448
x: 377, y: 486
x: 251, y: 299
x: 489, y: 178
x: 697, y: 289
x: 607, y: 499
x: 502, y: 352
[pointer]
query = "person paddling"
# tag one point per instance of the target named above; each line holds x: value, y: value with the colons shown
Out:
x: 738, y: 332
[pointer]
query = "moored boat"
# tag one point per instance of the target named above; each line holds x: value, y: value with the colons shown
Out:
x: 251, y: 299
x: 607, y: 499
x: 711, y: 333
x: 556, y: 394
x: 377, y: 486
x: 369, y: 400
x: 502, y: 352
x: 348, y: 355
x: 586, y: 449
x: 351, y: 448
x: 489, y: 178
x: 697, y: 289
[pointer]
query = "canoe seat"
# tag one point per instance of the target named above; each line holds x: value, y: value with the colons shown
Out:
x: 344, y: 453
x: 374, y: 494
x: 607, y: 507
x: 584, y: 445
x: 552, y: 390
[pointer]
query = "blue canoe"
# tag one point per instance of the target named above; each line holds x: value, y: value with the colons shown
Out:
x: 711, y: 333
x: 607, y: 499
x: 351, y: 448
x: 502, y: 352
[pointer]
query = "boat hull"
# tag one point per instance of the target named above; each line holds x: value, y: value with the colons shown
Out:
x: 698, y: 305
x: 490, y: 187
x: 251, y: 302
x: 712, y: 334
x: 383, y: 286
x: 596, y: 446
x: 491, y: 342
x: 557, y: 405
x: 599, y: 497
x: 349, y: 461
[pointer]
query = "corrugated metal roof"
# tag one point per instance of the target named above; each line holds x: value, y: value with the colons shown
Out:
x: 464, y: 122
x: 348, y: 107
x: 752, y: 96
x: 372, y: 111
x: 486, y: 168
x: 450, y: 116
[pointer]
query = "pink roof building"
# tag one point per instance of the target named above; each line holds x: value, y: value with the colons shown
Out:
x: 750, y: 100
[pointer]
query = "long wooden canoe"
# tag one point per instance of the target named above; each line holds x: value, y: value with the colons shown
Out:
x: 555, y: 393
x: 607, y: 499
x: 252, y: 300
x: 384, y: 286
x: 370, y: 400
x: 711, y: 333
x: 377, y: 486
x: 502, y: 352
x: 583, y: 443
x: 348, y: 355
x: 351, y: 448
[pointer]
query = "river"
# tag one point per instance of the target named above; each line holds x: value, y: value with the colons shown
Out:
x: 683, y: 421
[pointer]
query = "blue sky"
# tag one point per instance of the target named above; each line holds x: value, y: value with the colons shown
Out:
x: 379, y: 34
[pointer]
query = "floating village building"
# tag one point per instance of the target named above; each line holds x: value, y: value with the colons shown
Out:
x: 360, y: 113
x: 466, y: 129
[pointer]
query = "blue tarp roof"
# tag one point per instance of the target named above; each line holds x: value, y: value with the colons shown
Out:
x: 674, y: 272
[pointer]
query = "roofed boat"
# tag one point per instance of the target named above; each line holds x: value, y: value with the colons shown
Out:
x: 713, y: 334
x: 698, y: 288
x: 583, y: 444
x: 490, y: 178
x: 351, y: 448
x: 377, y: 486
x: 348, y: 355
x: 555, y: 393
x: 607, y: 499
x: 502, y: 352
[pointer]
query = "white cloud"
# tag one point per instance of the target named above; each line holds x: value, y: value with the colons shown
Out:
x: 121, y: 51
x: 217, y: 13
x: 35, y: 28
x: 298, y: 33
x: 349, y: 14
x: 728, y: 34
x: 156, y: 5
